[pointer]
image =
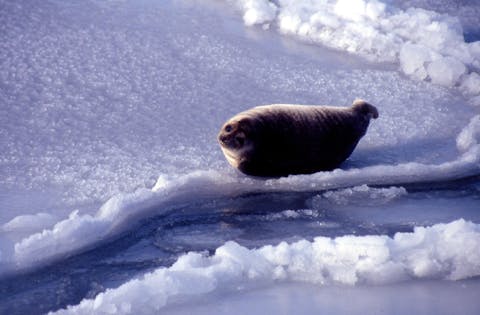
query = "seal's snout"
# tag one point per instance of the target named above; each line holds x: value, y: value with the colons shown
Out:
x: 232, y: 141
x: 223, y: 139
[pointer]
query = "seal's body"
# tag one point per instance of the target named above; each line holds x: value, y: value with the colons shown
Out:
x: 278, y: 140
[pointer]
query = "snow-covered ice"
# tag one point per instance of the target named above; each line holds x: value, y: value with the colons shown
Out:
x: 450, y: 251
x: 111, y: 174
x: 428, y: 45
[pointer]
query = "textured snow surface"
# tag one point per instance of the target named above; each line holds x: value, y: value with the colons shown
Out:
x: 427, y: 45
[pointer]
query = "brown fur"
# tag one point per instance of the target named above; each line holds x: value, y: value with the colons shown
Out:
x: 278, y: 140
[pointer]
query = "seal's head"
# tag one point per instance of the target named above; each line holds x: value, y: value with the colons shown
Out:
x: 234, y: 140
x: 365, y: 109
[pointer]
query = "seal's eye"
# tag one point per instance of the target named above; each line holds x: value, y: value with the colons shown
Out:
x: 228, y: 128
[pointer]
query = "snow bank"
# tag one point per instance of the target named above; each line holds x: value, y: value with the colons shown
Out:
x: 80, y: 230
x: 443, y: 251
x: 29, y: 222
x: 427, y: 45
x: 72, y: 233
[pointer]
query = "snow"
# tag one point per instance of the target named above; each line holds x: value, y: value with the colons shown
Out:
x: 69, y: 235
x: 109, y: 113
x: 446, y: 71
x: 426, y: 44
x: 73, y: 232
x: 258, y: 11
x: 443, y: 251
x: 54, y: 142
x: 27, y: 222
x: 469, y: 138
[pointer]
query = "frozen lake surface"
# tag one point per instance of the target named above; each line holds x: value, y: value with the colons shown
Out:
x: 115, y: 196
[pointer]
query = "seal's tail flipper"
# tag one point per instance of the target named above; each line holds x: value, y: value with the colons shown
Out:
x: 360, y: 106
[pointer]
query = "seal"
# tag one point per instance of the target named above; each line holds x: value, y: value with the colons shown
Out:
x: 280, y: 139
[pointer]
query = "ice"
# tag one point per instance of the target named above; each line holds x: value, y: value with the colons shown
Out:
x: 52, y: 141
x: 358, y: 10
x: 364, y: 193
x: 413, y: 59
x: 109, y: 112
x: 469, y: 138
x: 294, y: 214
x: 73, y: 232
x: 443, y: 251
x: 427, y: 45
x: 258, y: 12
x: 30, y: 223
x: 446, y: 71
x: 404, y: 298
x: 68, y: 235
x: 81, y: 230
x: 68, y: 118
x: 471, y: 85
x: 467, y: 11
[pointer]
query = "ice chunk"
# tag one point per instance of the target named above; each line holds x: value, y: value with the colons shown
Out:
x: 356, y: 10
x: 446, y: 71
x: 469, y: 138
x: 427, y: 251
x: 258, y: 11
x: 350, y: 9
x: 413, y: 58
x: 471, y: 84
